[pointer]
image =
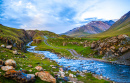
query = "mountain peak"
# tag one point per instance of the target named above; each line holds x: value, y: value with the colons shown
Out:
x: 92, y: 27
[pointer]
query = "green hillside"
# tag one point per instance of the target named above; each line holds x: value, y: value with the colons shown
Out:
x: 122, y: 26
x: 13, y: 34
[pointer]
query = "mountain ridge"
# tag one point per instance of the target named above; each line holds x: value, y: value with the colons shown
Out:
x: 92, y: 27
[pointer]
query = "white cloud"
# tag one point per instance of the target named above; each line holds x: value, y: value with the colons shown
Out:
x: 59, y: 15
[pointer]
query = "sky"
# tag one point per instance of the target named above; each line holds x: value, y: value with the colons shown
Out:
x: 59, y: 16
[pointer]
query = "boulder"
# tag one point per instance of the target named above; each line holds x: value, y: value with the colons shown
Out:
x: 108, y: 54
x: 61, y: 69
x: 19, y: 76
x: 93, y: 45
x: 122, y: 36
x: 62, y: 74
x: 9, y: 46
x: 71, y: 75
x: 112, y: 47
x: 6, y: 68
x: 3, y: 45
x: 39, y: 68
x: 102, y: 44
x: 30, y: 70
x: 123, y: 49
x: 113, y: 40
x: 101, y: 53
x: 10, y: 62
x: 45, y: 76
x: 15, y: 52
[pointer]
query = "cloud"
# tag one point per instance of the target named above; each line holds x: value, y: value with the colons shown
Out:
x: 58, y: 15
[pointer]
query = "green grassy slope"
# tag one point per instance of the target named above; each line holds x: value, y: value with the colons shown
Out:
x: 13, y: 34
x: 36, y: 34
x: 33, y: 59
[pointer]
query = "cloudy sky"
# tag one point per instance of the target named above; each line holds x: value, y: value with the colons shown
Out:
x: 59, y: 15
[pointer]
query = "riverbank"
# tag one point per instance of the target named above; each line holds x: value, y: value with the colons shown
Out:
x: 74, y: 54
x: 95, y: 67
x: 87, y: 77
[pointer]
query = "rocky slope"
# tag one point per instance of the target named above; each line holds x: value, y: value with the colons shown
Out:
x: 112, y: 48
x: 93, y: 27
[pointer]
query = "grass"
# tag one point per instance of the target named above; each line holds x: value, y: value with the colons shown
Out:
x: 33, y: 59
x: 85, y: 51
x: 12, y: 34
x: 42, y: 46
x: 91, y: 79
x: 56, y: 46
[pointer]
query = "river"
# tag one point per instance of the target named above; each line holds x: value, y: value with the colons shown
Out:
x: 115, y: 72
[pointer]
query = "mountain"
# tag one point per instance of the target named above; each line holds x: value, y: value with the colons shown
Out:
x: 110, y: 22
x: 121, y: 26
x: 93, y: 27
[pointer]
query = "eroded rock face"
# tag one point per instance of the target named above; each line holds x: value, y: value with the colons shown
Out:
x: 45, y: 76
x: 6, y: 68
x: 10, y: 62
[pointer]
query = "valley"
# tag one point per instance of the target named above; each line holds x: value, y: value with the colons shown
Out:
x: 96, y: 54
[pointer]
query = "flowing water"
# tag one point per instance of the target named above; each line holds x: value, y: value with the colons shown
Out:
x: 115, y: 72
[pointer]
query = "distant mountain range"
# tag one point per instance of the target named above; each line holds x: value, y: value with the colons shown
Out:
x: 121, y: 26
x: 93, y: 27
